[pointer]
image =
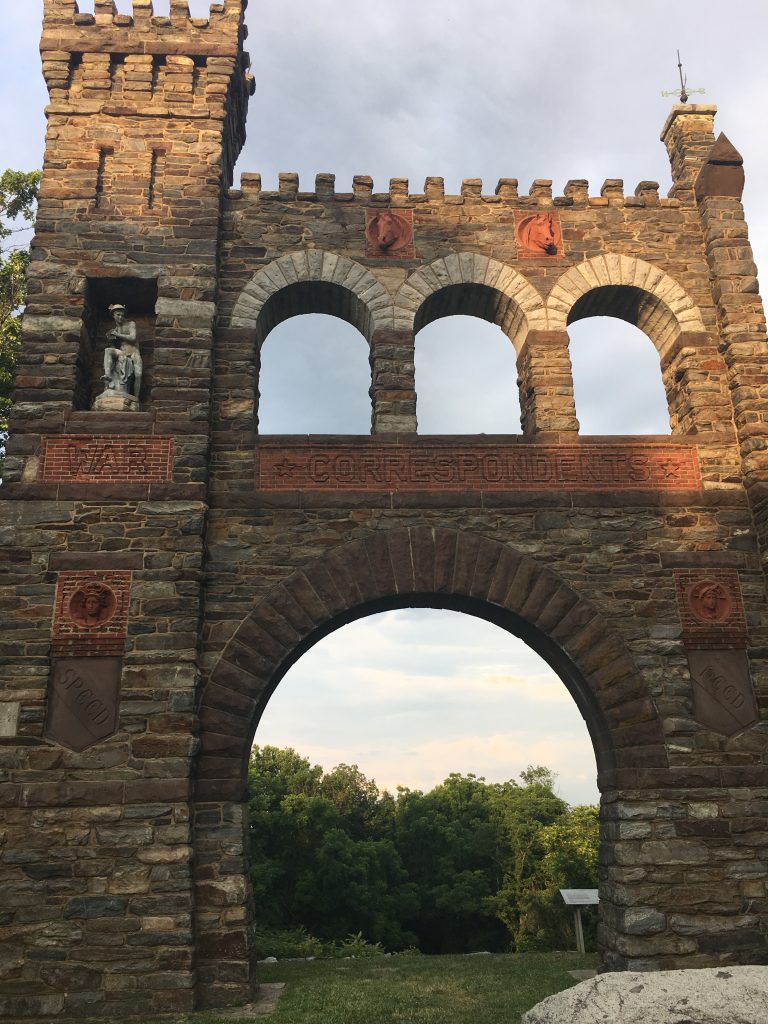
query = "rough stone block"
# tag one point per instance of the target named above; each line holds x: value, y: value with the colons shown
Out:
x: 733, y: 995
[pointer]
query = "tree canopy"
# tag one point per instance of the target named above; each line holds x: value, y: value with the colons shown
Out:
x: 18, y: 198
x: 469, y: 865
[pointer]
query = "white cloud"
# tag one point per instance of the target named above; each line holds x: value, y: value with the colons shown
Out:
x: 413, y: 695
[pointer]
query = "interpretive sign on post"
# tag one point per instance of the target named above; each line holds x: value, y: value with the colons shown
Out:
x: 578, y: 898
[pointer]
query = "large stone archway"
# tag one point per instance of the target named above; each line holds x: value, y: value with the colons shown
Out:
x: 406, y: 567
x: 437, y: 568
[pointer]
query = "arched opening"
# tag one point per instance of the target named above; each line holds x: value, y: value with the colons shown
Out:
x: 617, y: 380
x: 466, y: 372
x: 466, y: 378
x: 416, y: 567
x: 455, y: 709
x: 314, y: 378
x: 314, y: 374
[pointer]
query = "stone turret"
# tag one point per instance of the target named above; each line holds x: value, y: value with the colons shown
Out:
x: 146, y: 121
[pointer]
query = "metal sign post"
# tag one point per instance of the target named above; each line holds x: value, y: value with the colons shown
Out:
x: 578, y: 898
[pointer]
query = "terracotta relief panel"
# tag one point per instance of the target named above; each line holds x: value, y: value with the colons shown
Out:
x: 539, y: 235
x: 389, y: 234
x: 91, y: 613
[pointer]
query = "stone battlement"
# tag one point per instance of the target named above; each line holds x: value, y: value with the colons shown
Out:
x: 540, y: 193
x: 110, y: 58
x: 221, y: 34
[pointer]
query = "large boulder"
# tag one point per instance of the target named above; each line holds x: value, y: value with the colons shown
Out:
x: 726, y: 995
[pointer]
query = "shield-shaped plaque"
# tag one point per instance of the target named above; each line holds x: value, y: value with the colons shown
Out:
x: 83, y: 701
x: 723, y: 698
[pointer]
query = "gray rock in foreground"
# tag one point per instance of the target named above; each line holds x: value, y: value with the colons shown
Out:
x: 727, y: 995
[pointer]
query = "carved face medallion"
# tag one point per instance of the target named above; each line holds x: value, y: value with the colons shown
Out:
x: 92, y: 605
x: 710, y: 606
x: 90, y: 616
x: 539, y: 235
x: 710, y: 601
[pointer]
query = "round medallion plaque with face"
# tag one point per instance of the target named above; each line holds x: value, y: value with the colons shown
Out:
x: 92, y: 605
x: 710, y: 601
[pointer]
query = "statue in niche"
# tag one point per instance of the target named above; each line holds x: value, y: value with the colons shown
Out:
x: 122, y: 365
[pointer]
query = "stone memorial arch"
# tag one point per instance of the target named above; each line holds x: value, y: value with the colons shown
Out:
x: 164, y: 564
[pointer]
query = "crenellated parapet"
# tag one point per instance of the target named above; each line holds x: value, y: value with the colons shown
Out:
x: 66, y: 13
x: 540, y: 195
x: 145, y: 65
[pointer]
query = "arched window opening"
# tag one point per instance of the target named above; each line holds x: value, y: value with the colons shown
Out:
x: 455, y: 710
x: 617, y: 379
x: 466, y: 377
x: 314, y: 378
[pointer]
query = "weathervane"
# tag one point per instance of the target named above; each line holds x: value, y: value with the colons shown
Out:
x: 682, y: 92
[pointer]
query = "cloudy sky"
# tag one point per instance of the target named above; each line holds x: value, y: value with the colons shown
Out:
x: 489, y: 89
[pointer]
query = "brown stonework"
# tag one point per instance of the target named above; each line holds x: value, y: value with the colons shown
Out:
x: 723, y: 696
x: 83, y: 701
x: 635, y: 566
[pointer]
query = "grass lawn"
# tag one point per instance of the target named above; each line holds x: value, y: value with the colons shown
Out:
x: 414, y: 989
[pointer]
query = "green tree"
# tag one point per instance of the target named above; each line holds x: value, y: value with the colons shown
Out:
x: 468, y: 866
x: 547, y: 846
x: 449, y: 842
x: 18, y: 197
x: 320, y: 857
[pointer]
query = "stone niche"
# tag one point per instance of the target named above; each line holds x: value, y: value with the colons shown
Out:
x: 139, y: 296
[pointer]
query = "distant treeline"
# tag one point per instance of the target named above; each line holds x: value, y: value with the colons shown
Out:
x: 468, y: 866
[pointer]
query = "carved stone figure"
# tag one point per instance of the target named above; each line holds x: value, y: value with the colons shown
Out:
x: 539, y: 235
x: 710, y: 601
x: 123, y: 367
x: 92, y: 605
x: 389, y: 232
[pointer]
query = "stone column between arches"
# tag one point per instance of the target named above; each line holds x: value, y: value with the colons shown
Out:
x: 393, y: 382
x: 545, y: 380
x: 696, y: 384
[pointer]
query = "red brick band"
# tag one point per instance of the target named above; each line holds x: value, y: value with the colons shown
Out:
x: 73, y: 458
x: 479, y: 467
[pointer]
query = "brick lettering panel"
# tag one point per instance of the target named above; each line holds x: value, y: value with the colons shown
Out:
x: 483, y: 468
x: 90, y: 615
x: 711, y: 608
x: 107, y: 460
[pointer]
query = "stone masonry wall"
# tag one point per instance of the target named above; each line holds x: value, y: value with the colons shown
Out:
x: 164, y: 568
x: 145, y: 122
